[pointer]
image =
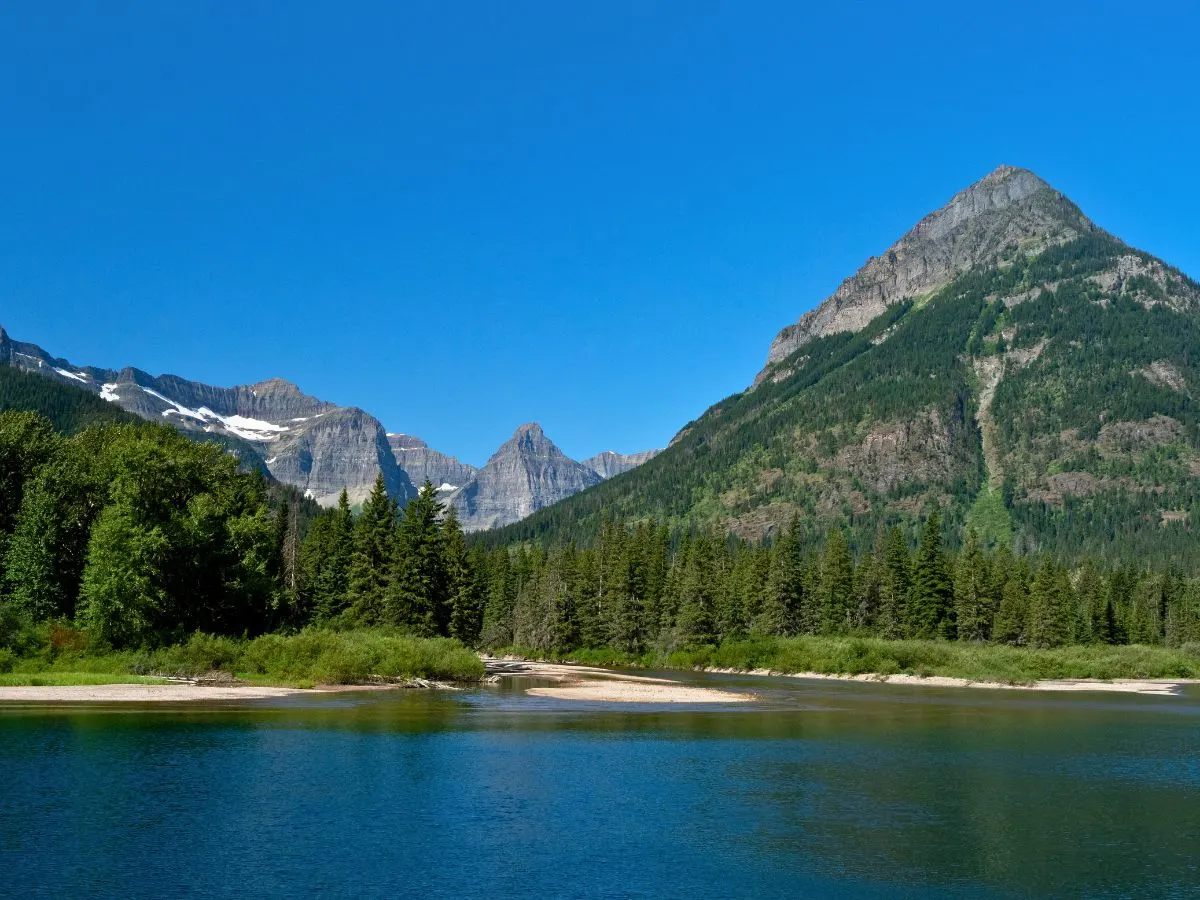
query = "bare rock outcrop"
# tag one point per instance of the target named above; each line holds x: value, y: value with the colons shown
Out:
x: 610, y: 463
x: 527, y: 473
x: 1009, y: 211
x: 422, y: 463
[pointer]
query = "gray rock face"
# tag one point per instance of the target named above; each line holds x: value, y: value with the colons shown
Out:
x: 343, y: 448
x: 1009, y: 211
x: 610, y: 463
x: 316, y: 446
x: 422, y: 462
x: 322, y: 448
x: 526, y: 474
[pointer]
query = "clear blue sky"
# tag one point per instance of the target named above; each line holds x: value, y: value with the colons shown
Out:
x: 463, y: 216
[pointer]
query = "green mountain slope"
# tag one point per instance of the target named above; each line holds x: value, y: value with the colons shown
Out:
x: 1006, y: 361
x: 68, y: 409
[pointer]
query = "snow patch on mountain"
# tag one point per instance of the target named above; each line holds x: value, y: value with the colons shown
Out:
x: 242, y: 426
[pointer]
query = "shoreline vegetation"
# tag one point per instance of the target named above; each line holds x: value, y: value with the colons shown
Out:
x: 217, y: 668
x: 1135, y: 668
x: 307, y: 659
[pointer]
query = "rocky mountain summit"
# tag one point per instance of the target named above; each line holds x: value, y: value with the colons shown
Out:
x: 1007, y: 361
x: 527, y: 473
x: 322, y: 448
x: 610, y: 463
x: 1009, y: 211
x: 423, y: 463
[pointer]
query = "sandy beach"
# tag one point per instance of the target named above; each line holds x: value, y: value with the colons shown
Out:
x: 185, y: 692
x: 1159, y: 686
x: 619, y: 691
x: 591, y: 683
x: 139, y: 693
x: 608, y: 686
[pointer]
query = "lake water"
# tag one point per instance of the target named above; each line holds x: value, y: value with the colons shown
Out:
x: 822, y: 789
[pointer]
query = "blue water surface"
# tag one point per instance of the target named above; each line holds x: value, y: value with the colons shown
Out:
x: 816, y: 790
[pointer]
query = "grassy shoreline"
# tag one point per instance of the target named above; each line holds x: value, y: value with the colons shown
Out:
x: 315, y: 656
x: 875, y: 656
x: 301, y: 660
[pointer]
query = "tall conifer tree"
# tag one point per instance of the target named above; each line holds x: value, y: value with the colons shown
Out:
x: 931, y: 599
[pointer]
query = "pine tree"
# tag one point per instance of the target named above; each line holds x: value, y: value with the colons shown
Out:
x: 620, y: 605
x: 696, y: 621
x: 500, y: 600
x: 895, y: 585
x: 931, y: 598
x: 836, y: 589
x: 372, y: 558
x: 868, y: 585
x: 532, y: 617
x: 973, y: 606
x: 1089, y: 592
x: 654, y: 543
x: 463, y: 587
x: 418, y: 597
x: 1009, y: 624
x: 587, y: 600
x: 1049, y: 616
x: 784, y: 590
x: 562, y: 602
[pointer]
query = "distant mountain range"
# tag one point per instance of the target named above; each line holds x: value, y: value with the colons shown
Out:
x: 1006, y: 361
x: 322, y: 448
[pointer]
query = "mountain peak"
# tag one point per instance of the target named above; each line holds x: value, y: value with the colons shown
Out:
x: 277, y: 385
x: 1005, y: 171
x: 401, y: 441
x: 1010, y: 210
x: 527, y: 473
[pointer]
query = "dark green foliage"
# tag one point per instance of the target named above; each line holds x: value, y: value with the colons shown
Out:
x: 372, y: 556
x: 325, y: 554
x: 68, y: 409
x: 463, y: 585
x: 1050, y: 602
x: 418, y: 597
x: 783, y: 595
x: 836, y: 589
x: 895, y: 583
x: 930, y: 605
x: 974, y: 604
x: 136, y: 533
x: 726, y: 593
x: 132, y: 535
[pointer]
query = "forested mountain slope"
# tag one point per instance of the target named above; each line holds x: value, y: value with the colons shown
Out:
x: 1007, y: 361
x: 69, y: 410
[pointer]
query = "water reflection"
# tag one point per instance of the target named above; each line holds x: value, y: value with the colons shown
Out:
x: 853, y: 790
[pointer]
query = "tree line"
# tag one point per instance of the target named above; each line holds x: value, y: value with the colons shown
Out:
x: 129, y: 534
x: 642, y: 587
x: 134, y: 536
